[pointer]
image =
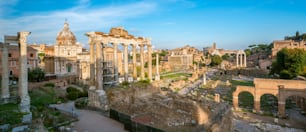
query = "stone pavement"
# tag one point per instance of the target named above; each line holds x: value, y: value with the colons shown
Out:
x: 92, y: 121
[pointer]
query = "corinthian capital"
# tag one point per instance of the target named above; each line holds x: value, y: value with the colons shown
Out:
x: 22, y: 36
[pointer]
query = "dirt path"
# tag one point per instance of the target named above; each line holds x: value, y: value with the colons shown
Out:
x: 91, y: 121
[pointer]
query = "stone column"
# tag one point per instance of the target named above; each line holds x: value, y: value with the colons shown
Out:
x: 23, y: 73
x: 92, y: 62
x: 99, y: 77
x: 134, y: 62
x: 150, y: 61
x: 126, y: 64
x: 241, y: 61
x: 245, y: 63
x: 237, y: 60
x: 157, y: 77
x: 281, y: 108
x: 116, y: 61
x: 142, y: 75
x: 204, y: 78
x: 5, y: 72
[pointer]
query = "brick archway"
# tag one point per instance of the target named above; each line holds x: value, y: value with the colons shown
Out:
x: 281, y: 89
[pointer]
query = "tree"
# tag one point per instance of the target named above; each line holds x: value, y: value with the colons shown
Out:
x: 215, y: 60
x: 225, y: 56
x: 289, y: 63
x: 36, y: 74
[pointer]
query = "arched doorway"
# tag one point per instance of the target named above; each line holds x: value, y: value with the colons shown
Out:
x: 69, y: 67
x: 269, y: 104
x: 246, y: 100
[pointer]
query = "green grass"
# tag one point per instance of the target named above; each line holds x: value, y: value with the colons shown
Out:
x: 43, y: 96
x: 175, y: 76
x: 9, y: 114
x: 242, y: 83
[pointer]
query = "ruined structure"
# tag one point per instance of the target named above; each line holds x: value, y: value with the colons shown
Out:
x: 98, y: 41
x: 183, y: 58
x: 146, y: 106
x: 290, y: 44
x: 240, y: 59
x: 281, y: 89
x: 23, y: 94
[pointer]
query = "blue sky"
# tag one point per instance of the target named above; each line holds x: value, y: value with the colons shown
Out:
x: 232, y: 24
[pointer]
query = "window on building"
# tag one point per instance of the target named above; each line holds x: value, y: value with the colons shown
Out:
x: 11, y: 72
x: 9, y: 55
x: 32, y: 55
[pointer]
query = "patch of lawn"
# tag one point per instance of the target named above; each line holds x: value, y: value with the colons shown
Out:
x: 242, y: 83
x: 9, y: 114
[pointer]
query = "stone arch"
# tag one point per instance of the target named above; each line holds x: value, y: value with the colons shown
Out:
x: 245, y: 98
x: 240, y: 89
x: 268, y: 101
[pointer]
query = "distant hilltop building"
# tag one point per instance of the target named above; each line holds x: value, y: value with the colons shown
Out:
x: 183, y: 58
x: 290, y: 44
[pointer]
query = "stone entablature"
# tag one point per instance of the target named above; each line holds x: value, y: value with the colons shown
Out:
x: 281, y: 89
x: 290, y: 44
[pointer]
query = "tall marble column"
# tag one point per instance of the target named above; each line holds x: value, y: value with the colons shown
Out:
x: 99, y: 72
x: 5, y: 72
x: 134, y: 62
x: 150, y: 61
x: 142, y: 75
x: 92, y: 61
x: 157, y: 77
x: 116, y: 61
x: 23, y: 73
x: 237, y: 60
x: 241, y: 61
x: 126, y: 64
x: 245, y: 63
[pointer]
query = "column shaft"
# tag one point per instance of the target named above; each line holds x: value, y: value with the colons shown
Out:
x: 257, y: 105
x: 142, y: 75
x: 235, y: 102
x: 92, y: 63
x: 237, y: 60
x: 245, y: 63
x: 134, y: 62
x: 23, y: 73
x: 157, y: 77
x: 5, y: 72
x: 99, y: 77
x: 241, y: 60
x: 126, y: 68
x: 150, y: 62
x: 116, y: 62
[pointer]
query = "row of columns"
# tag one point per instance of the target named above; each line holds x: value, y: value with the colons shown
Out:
x: 23, y: 72
x: 99, y: 41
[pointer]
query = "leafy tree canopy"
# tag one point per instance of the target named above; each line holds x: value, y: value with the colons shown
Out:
x: 215, y: 60
x: 290, y: 63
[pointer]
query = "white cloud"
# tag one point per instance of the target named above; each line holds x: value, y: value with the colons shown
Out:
x: 82, y: 18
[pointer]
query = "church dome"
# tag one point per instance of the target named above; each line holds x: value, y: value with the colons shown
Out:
x: 65, y: 37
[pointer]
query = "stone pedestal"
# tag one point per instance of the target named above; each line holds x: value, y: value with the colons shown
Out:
x: 98, y: 99
x: 5, y: 93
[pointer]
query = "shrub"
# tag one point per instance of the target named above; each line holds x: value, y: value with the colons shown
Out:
x: 49, y: 85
